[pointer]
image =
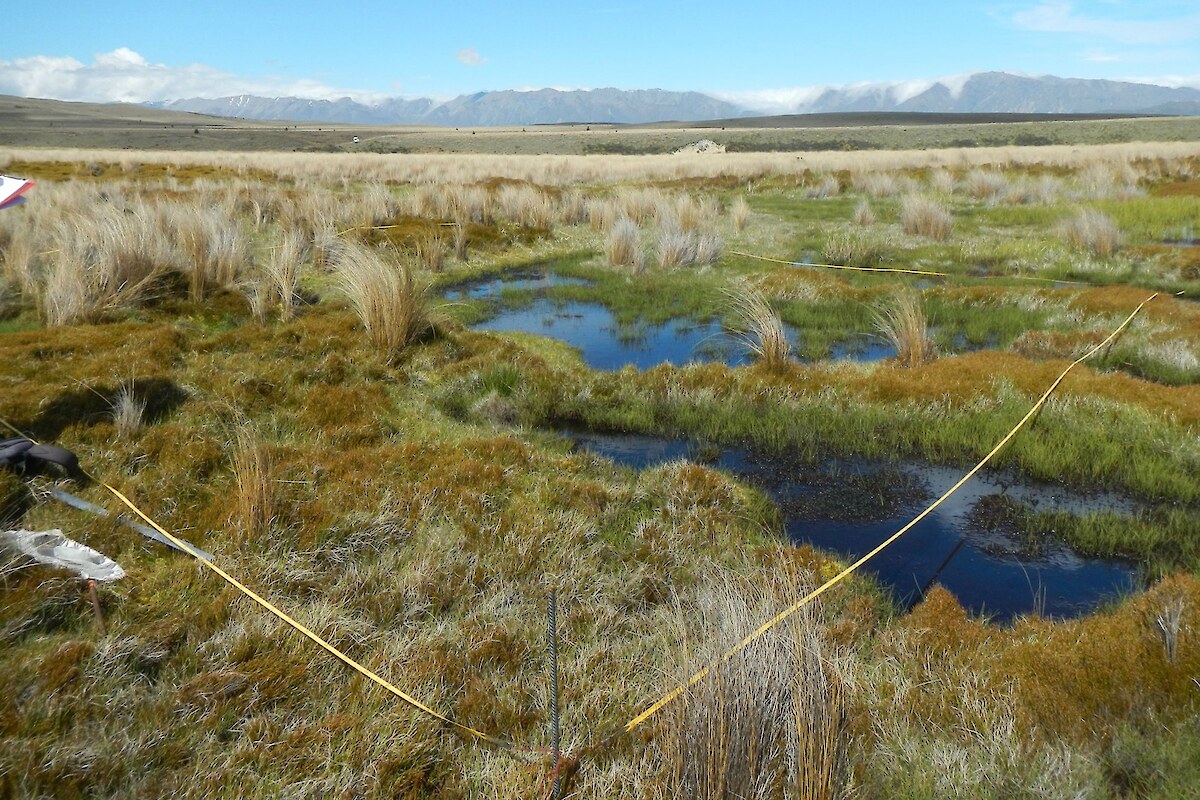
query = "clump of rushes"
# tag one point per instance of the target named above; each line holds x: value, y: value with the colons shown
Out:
x: 128, y: 413
x: 431, y: 249
x: 864, y: 215
x: 740, y: 213
x: 254, y: 503
x: 768, y: 722
x: 760, y: 326
x: 843, y: 247
x: 389, y: 302
x: 902, y: 322
x: 924, y: 216
x: 622, y: 247
x: 1092, y: 231
x: 282, y: 271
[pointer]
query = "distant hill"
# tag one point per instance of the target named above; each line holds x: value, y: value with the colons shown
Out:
x: 980, y: 93
x: 1001, y: 92
x: 541, y: 107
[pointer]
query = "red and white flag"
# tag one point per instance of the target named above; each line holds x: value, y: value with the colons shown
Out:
x: 11, y: 190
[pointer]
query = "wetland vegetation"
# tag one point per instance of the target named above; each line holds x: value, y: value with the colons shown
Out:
x: 301, y: 365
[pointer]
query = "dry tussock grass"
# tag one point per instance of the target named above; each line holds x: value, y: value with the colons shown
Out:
x: 902, y: 323
x: 761, y: 327
x: 767, y: 722
x: 389, y: 302
x: 924, y: 216
x: 1093, y: 232
x: 622, y: 247
x: 472, y: 168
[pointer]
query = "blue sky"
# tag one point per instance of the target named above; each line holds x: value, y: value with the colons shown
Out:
x: 135, y: 50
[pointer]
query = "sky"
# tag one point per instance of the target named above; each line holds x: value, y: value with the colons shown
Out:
x: 751, y: 51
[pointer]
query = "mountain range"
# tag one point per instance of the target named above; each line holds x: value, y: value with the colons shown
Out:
x: 983, y: 92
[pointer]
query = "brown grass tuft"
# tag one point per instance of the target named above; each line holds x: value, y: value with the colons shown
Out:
x: 128, y: 412
x: 739, y: 212
x: 389, y: 302
x: 769, y: 721
x: 902, y: 322
x: 761, y: 327
x: 1092, y: 231
x: 924, y: 216
x: 254, y: 502
x: 622, y: 248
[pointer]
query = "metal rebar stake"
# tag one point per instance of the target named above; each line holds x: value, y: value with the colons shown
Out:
x: 552, y: 648
x: 91, y: 588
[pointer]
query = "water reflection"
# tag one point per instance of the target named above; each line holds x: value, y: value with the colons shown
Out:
x: 850, y: 506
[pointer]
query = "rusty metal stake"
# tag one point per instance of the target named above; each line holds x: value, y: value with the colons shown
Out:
x: 91, y: 585
x: 552, y: 648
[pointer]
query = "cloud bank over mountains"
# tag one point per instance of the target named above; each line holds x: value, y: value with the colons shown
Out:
x: 124, y: 76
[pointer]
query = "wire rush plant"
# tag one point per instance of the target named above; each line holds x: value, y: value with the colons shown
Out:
x: 760, y: 327
x: 901, y: 321
x: 389, y: 302
x: 771, y: 721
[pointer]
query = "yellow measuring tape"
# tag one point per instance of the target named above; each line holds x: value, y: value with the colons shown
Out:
x: 808, y: 598
x: 900, y: 270
x: 694, y: 679
x: 297, y: 625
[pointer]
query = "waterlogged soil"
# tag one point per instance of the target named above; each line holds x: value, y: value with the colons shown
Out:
x: 606, y: 344
x: 524, y: 302
x: 971, y: 544
x: 537, y: 281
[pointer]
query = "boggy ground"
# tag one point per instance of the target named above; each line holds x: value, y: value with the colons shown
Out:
x: 215, y: 343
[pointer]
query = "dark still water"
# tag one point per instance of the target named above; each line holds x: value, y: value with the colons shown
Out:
x: 850, y: 506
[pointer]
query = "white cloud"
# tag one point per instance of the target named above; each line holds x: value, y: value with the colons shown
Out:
x: 799, y: 99
x: 469, y: 56
x: 1060, y: 17
x: 123, y: 75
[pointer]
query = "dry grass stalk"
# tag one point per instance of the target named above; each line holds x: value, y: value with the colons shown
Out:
x: 767, y: 722
x: 254, y: 502
x: 389, y: 302
x: 622, y: 247
x: 1092, y: 231
x: 902, y: 322
x: 740, y: 213
x: 864, y: 215
x: 431, y: 249
x: 761, y: 327
x: 128, y: 413
x: 282, y: 271
x: 924, y: 216
x: 1168, y: 621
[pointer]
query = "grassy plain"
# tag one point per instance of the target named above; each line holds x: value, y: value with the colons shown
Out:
x: 255, y: 346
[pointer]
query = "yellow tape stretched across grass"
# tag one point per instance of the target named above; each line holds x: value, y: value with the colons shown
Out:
x: 285, y: 617
x: 699, y: 676
x: 899, y: 270
x: 808, y: 598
